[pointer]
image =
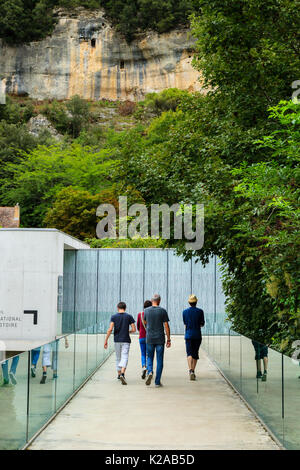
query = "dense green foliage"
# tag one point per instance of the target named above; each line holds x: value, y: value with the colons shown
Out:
x: 128, y: 243
x: 29, y: 20
x: 248, y: 51
x: 26, y: 20
x: 236, y: 150
x: 42, y: 173
x: 74, y: 211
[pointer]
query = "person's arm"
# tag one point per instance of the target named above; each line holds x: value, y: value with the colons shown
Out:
x: 202, y: 321
x: 168, y: 333
x: 109, y: 332
x: 138, y: 324
x: 133, y: 328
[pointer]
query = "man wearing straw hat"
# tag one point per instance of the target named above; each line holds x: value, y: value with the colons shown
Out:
x: 193, y: 318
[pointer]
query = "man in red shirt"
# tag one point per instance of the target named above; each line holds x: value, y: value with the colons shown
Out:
x: 142, y: 337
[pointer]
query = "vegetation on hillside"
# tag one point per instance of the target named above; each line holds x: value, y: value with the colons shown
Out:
x: 29, y: 20
x: 235, y: 149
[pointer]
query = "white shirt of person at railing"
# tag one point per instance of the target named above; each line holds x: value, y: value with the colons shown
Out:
x: 50, y: 358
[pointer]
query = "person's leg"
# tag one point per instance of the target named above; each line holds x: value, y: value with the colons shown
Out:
x: 118, y: 358
x: 150, y: 357
x: 190, y: 362
x: 35, y: 355
x: 196, y: 343
x: 265, y: 362
x: 189, y: 353
x: 124, y: 361
x: 143, y: 357
x: 14, y: 364
x: 54, y: 365
x: 5, y: 372
x: 143, y: 351
x: 13, y: 369
x: 160, y: 349
x: 46, y: 362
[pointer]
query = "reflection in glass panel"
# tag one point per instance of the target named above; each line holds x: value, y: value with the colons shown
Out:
x: 13, y: 402
x: 86, y: 288
x: 179, y: 289
x: 269, y: 403
x: 291, y: 403
x: 42, y: 386
x: 92, y: 349
x: 132, y: 280
x: 68, y: 318
x: 65, y: 369
x: 81, y: 349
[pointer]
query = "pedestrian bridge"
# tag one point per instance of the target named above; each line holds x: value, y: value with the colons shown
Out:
x: 85, y: 407
x: 205, y: 414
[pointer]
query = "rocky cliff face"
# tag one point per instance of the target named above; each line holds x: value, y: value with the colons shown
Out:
x: 85, y: 56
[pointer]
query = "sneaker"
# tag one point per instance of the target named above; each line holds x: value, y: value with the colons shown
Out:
x: 192, y: 375
x: 43, y: 379
x: 158, y: 385
x: 55, y: 376
x: 5, y: 382
x: 259, y: 375
x: 119, y: 377
x: 149, y: 378
x: 264, y: 377
x: 144, y: 373
x: 13, y: 378
x: 123, y: 380
x: 33, y: 372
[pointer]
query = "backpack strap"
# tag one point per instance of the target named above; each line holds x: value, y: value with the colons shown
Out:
x: 142, y: 320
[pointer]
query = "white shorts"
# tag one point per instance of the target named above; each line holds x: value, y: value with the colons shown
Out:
x: 47, y: 350
x: 122, y: 353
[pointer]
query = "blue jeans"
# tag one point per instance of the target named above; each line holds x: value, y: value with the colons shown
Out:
x: 143, y: 351
x: 159, y: 348
x: 13, y: 367
x: 35, y: 354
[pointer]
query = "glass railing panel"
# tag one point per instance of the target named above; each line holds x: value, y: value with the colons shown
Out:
x: 224, y: 360
x: 291, y: 403
x: 234, y: 369
x: 13, y: 402
x: 92, y: 349
x: 100, y: 348
x: 42, y: 386
x: 81, y: 357
x: 250, y: 383
x: 269, y: 404
x: 64, y: 366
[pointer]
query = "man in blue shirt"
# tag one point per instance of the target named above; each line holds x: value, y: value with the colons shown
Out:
x: 119, y: 324
x: 193, y: 318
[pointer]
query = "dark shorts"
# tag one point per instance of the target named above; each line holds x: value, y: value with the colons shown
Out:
x: 261, y: 350
x: 192, y: 347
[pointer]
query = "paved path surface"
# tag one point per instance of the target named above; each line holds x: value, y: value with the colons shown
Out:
x: 205, y: 414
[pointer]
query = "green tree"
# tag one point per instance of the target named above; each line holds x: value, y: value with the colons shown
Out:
x: 26, y: 20
x: 74, y: 211
x: 42, y: 173
x: 248, y: 52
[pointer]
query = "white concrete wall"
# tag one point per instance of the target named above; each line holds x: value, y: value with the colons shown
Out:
x: 31, y: 260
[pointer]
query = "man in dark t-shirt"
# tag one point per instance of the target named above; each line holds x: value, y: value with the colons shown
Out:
x: 157, y: 322
x: 119, y: 324
x: 193, y: 318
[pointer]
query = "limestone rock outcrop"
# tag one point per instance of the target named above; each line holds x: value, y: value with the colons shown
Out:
x: 86, y: 56
x: 38, y: 124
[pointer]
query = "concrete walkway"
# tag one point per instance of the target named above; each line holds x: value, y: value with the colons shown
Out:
x: 205, y: 414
